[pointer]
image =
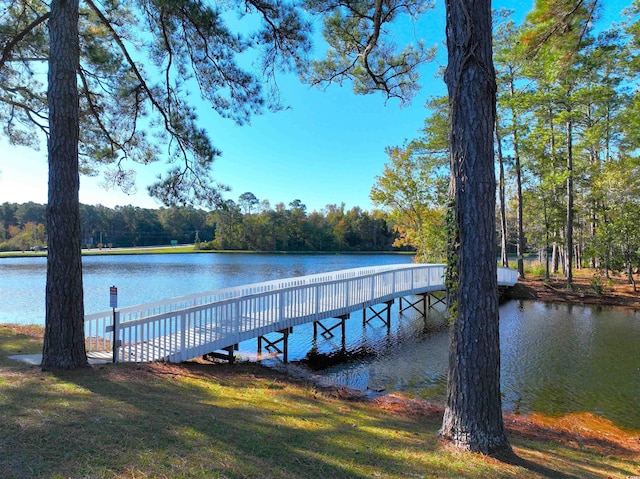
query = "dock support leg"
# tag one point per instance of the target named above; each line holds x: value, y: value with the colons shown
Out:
x: 378, y: 314
x: 272, y: 346
x: 433, y: 300
x: 285, y: 344
x: 327, y: 332
x: 422, y: 298
x: 229, y: 356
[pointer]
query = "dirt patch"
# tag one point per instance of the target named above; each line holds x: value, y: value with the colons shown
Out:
x: 614, y: 291
x: 579, y: 431
x: 32, y: 331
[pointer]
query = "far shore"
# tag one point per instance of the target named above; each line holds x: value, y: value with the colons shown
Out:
x: 590, y: 286
x: 187, y: 249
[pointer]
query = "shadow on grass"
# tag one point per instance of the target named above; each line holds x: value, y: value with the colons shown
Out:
x: 511, y: 458
x: 14, y: 342
x: 120, y: 421
x: 226, y: 421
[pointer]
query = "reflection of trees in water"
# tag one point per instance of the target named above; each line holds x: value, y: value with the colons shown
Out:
x: 555, y: 360
x: 559, y: 359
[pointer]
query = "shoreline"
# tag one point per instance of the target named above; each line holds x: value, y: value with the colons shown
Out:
x: 190, y: 249
x: 612, y: 292
x: 578, y: 431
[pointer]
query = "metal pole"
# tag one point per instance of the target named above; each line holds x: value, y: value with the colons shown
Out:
x: 116, y: 320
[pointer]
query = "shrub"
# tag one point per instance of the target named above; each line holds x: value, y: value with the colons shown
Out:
x: 596, y: 285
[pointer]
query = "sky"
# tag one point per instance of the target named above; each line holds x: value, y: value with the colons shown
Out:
x: 326, y: 148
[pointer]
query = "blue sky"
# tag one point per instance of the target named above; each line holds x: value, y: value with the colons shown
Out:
x: 326, y: 148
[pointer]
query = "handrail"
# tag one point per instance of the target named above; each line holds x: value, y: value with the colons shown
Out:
x: 131, y: 313
x: 227, y: 316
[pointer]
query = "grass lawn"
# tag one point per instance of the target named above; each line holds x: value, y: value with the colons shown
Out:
x: 234, y: 421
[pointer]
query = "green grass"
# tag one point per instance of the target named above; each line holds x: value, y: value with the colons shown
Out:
x: 236, y: 421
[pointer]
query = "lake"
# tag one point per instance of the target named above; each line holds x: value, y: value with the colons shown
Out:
x: 556, y: 359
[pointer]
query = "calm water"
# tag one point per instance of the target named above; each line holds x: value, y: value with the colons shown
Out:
x: 556, y: 359
x: 147, y: 278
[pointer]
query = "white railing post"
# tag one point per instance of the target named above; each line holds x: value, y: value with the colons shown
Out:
x: 347, y: 293
x: 374, y: 279
x: 281, y: 306
x: 237, y: 320
x: 116, y: 334
x: 393, y: 282
x: 183, y: 335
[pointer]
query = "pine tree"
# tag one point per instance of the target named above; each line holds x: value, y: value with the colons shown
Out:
x: 124, y: 70
x: 353, y: 29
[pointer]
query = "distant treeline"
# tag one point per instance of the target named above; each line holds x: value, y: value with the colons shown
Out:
x: 233, y: 226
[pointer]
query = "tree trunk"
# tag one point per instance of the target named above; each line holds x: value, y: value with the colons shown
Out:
x: 503, y: 206
x: 473, y: 415
x: 518, y: 169
x: 630, y: 274
x: 520, y: 218
x: 546, y: 241
x: 64, y: 346
x: 593, y: 159
x: 569, y: 248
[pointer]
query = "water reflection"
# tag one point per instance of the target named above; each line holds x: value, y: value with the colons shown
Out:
x: 411, y: 357
x: 556, y: 360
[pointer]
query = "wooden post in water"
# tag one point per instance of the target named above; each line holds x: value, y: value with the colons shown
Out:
x: 422, y: 298
x: 378, y: 314
x: 272, y: 346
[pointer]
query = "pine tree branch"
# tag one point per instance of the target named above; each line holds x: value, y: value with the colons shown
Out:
x: 94, y: 112
x: 7, y: 49
x: 371, y: 44
x: 136, y: 71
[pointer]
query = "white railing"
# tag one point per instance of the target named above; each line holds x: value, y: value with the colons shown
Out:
x: 182, y: 328
x: 507, y: 276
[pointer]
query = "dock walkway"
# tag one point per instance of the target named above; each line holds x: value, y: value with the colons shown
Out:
x: 183, y: 328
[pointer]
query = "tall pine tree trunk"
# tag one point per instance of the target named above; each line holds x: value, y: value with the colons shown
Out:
x: 547, y: 245
x: 473, y: 415
x: 503, y: 207
x: 569, y: 231
x: 64, y: 346
x: 518, y: 169
x: 520, y: 247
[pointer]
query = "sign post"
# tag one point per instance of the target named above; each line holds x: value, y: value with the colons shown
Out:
x: 113, y: 303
